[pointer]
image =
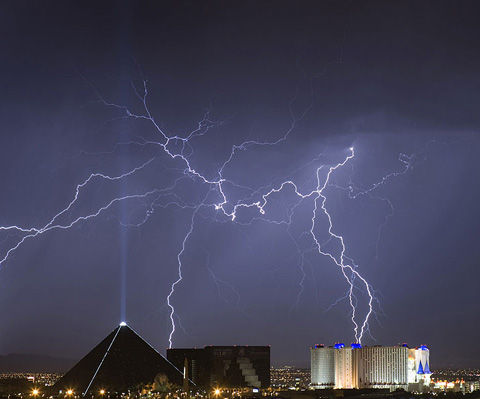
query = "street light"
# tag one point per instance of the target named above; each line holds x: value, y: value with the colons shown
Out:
x: 102, y: 392
x: 35, y: 392
x: 217, y: 392
x: 70, y: 392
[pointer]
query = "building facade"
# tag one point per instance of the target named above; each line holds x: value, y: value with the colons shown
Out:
x: 225, y: 366
x: 322, y: 366
x: 381, y: 367
x: 343, y: 367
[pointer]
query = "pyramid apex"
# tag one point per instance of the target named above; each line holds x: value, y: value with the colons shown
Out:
x: 123, y: 324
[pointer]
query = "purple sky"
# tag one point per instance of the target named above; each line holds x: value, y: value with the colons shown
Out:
x: 387, y: 78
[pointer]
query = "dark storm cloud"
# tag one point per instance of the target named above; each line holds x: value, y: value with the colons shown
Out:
x: 387, y: 77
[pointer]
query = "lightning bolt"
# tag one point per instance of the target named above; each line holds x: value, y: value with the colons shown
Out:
x: 179, y: 150
x: 341, y: 261
x: 180, y: 276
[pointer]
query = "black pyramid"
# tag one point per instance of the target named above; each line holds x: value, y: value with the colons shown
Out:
x: 122, y: 361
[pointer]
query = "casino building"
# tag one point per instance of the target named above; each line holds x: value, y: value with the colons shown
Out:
x: 354, y: 366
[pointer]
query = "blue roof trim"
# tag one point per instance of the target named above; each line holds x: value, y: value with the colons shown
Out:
x: 420, y: 369
x: 427, y: 369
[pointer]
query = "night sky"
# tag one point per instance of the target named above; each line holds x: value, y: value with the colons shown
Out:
x: 388, y: 78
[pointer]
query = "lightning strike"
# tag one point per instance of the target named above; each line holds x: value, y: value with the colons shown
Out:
x: 179, y: 149
x: 180, y: 276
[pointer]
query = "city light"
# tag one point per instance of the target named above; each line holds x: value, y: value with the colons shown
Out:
x: 35, y: 392
x: 70, y: 392
x: 102, y: 391
x: 217, y: 392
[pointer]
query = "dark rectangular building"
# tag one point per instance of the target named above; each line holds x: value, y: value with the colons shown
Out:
x: 225, y: 366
